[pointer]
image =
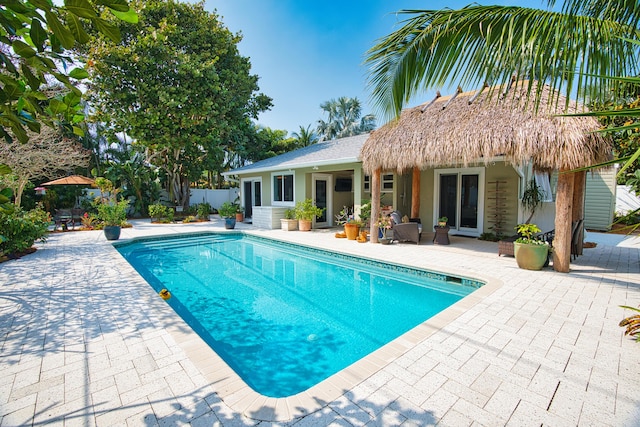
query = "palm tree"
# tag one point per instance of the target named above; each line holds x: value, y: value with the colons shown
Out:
x: 305, y: 137
x: 568, y: 49
x: 344, y: 119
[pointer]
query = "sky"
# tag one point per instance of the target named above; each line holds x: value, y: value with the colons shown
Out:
x: 307, y: 52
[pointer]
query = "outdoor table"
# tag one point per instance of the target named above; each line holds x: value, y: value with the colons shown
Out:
x: 442, y: 235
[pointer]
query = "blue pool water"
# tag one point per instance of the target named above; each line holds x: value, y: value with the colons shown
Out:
x: 286, y: 317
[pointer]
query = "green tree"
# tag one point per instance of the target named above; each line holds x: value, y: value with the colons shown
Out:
x: 568, y: 49
x: 177, y: 85
x: 344, y: 119
x: 305, y: 136
x: 128, y: 170
x: 34, y: 38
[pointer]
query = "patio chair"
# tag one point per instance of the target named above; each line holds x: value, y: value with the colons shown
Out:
x: 405, y: 231
x: 76, y: 216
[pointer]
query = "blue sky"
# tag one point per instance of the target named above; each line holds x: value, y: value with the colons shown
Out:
x: 308, y: 51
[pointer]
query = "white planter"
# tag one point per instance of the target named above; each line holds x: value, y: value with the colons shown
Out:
x: 289, y: 224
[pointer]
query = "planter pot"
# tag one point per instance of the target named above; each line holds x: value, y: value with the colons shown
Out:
x: 111, y: 232
x: 289, y: 224
x: 229, y: 223
x: 239, y: 217
x: 351, y: 230
x: 304, y: 224
x: 530, y: 257
x: 384, y: 241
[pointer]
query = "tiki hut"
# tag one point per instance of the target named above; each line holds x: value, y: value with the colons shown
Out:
x: 476, y: 127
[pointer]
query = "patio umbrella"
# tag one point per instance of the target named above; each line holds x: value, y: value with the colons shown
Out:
x: 72, y: 180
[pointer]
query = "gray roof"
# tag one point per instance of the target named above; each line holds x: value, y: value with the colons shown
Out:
x: 333, y: 152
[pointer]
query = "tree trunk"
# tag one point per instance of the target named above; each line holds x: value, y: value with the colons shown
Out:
x: 375, y: 206
x: 415, y: 193
x: 564, y: 208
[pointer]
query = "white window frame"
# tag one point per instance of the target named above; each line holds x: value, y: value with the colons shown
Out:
x: 387, y: 179
x: 273, y: 193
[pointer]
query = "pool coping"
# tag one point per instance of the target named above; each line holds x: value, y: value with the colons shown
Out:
x: 243, y: 399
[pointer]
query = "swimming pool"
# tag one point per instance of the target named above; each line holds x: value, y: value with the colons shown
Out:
x: 283, y: 316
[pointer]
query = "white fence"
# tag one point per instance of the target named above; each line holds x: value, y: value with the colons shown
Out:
x: 214, y: 197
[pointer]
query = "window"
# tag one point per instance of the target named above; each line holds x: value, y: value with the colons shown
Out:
x: 543, y: 182
x: 283, y: 188
x: 386, y: 184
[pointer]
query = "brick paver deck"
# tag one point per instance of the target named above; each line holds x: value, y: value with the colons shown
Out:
x: 85, y: 341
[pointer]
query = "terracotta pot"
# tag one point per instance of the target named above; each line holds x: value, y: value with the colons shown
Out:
x: 304, y: 225
x: 530, y: 257
x: 351, y: 230
x: 239, y: 217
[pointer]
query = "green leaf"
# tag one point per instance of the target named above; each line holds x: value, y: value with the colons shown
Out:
x: 62, y: 33
x: 78, y: 131
x: 42, y: 4
x: 16, y: 6
x: 129, y: 16
x: 33, y: 81
x: 19, y: 132
x: 107, y: 29
x: 4, y: 170
x: 38, y: 34
x: 119, y: 5
x: 77, y: 29
x: 81, y: 8
x: 78, y: 73
x: 56, y: 106
x: 23, y: 49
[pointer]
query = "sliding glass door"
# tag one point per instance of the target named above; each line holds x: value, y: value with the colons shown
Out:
x: 459, y: 195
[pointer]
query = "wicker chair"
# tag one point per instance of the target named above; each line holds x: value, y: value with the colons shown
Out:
x: 405, y: 231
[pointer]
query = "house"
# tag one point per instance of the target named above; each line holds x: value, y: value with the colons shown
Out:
x: 329, y: 172
x: 469, y: 157
x: 475, y: 152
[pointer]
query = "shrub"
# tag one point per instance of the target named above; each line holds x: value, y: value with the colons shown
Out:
x: 112, y: 213
x: 227, y: 210
x: 20, y: 230
x: 161, y: 213
x: 203, y: 210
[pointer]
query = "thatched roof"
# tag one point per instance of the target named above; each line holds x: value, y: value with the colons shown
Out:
x: 469, y: 127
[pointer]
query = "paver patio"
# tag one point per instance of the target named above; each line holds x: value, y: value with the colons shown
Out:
x: 85, y: 341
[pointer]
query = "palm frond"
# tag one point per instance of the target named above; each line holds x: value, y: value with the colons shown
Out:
x: 478, y: 44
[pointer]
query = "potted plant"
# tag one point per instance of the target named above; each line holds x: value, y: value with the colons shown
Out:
x: 442, y: 221
x: 530, y: 253
x: 228, y: 212
x: 239, y: 213
x: 306, y: 211
x: 111, y: 212
x: 289, y: 222
x: 352, y: 228
x: 384, y: 224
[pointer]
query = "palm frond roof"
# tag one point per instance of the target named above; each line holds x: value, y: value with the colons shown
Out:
x: 471, y: 127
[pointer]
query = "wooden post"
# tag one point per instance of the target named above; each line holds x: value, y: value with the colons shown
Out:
x: 579, y: 189
x: 415, y: 193
x: 564, y: 209
x: 375, y: 206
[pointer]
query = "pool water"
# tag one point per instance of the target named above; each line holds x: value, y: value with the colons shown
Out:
x: 283, y: 316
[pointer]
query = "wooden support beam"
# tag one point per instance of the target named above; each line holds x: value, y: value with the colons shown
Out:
x: 564, y: 209
x: 415, y: 193
x: 375, y: 206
